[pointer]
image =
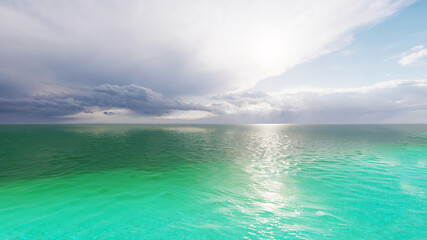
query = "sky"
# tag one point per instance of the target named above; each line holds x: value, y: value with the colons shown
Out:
x: 213, y: 61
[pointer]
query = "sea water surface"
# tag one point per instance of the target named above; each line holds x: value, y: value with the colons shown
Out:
x: 213, y: 181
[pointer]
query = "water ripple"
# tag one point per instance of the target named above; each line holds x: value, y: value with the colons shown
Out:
x: 213, y: 182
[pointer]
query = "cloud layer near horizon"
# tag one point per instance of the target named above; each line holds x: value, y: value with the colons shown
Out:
x: 133, y: 99
x: 403, y: 101
x: 386, y: 102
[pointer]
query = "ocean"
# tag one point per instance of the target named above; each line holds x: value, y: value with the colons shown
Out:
x: 213, y: 182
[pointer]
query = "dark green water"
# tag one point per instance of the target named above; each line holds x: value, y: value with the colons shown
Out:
x: 213, y: 182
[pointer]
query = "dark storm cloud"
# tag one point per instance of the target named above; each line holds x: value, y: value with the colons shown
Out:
x: 140, y: 100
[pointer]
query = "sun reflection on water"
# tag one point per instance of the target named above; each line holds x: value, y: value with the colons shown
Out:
x: 269, y: 167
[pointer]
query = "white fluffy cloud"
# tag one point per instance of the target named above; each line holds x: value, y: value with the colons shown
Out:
x: 413, y: 56
x: 173, y: 47
x: 392, y: 101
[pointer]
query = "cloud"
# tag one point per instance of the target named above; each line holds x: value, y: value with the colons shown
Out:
x: 188, y: 115
x: 135, y: 100
x: 413, y: 56
x: 173, y: 47
x: 78, y: 60
x: 384, y: 102
x: 108, y: 113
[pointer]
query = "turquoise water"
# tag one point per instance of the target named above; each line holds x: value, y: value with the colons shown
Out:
x: 213, y: 182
